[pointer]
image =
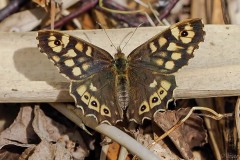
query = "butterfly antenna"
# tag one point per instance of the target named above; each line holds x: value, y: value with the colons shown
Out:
x: 130, y: 37
x: 107, y: 35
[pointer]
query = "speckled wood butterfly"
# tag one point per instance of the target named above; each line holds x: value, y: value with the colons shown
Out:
x: 136, y: 86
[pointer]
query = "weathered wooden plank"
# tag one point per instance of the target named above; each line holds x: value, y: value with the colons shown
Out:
x: 28, y: 76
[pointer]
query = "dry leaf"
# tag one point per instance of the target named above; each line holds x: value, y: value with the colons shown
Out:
x: 49, y: 151
x: 144, y: 135
x: 188, y: 135
x: 23, y: 21
x: 50, y: 130
x: 20, y: 133
x: 57, y: 141
x: 7, y: 155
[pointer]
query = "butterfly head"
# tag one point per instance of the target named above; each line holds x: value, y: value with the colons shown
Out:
x: 119, y: 50
x: 119, y: 54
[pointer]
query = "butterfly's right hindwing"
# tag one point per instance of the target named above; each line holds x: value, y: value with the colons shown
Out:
x: 75, y: 58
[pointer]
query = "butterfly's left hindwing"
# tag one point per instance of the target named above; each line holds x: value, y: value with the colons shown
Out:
x: 95, y: 97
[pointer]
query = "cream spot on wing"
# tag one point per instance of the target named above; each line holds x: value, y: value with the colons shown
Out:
x: 56, y: 58
x: 105, y: 111
x: 153, y: 84
x: 152, y: 47
x: 186, y: 40
x: 154, y: 100
x: 191, y: 34
x: 85, y: 66
x: 173, y: 47
x: 65, y: 40
x: 94, y: 104
x: 169, y: 65
x: 165, y: 84
x: 79, y: 46
x: 52, y: 38
x: 82, y: 59
x: 69, y: 63
x: 159, y: 61
x: 175, y: 32
x: 162, y: 41
x: 163, y: 54
x: 188, y: 27
x: 51, y: 44
x: 70, y: 53
x: 89, y: 51
x: 93, y: 88
x: 190, y: 49
x: 86, y: 98
x: 144, y: 107
x: 176, y: 56
x: 81, y: 89
x: 76, y: 71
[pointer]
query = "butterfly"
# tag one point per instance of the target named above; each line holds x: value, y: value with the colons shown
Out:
x: 134, y: 87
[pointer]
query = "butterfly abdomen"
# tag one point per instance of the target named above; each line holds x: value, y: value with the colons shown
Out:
x: 122, y: 88
x: 121, y: 80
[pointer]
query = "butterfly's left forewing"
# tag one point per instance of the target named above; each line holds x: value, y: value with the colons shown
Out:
x: 75, y: 58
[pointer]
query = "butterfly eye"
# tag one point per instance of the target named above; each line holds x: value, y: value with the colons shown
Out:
x: 57, y: 42
x: 94, y: 103
x: 161, y: 92
x: 184, y: 33
x: 154, y: 100
x: 106, y: 111
x: 143, y: 107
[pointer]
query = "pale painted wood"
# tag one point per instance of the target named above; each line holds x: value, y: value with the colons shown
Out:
x: 28, y: 76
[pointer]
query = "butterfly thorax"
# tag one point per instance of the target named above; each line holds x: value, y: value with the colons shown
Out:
x: 121, y: 80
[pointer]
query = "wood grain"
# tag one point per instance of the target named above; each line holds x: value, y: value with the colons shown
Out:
x: 28, y: 76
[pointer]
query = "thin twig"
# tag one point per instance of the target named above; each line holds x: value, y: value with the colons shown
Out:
x: 133, y: 20
x: 168, y: 9
x: 118, y: 11
x: 208, y: 10
x: 215, y: 116
x: 53, y: 13
x: 87, y: 5
x: 11, y: 8
x: 225, y: 12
